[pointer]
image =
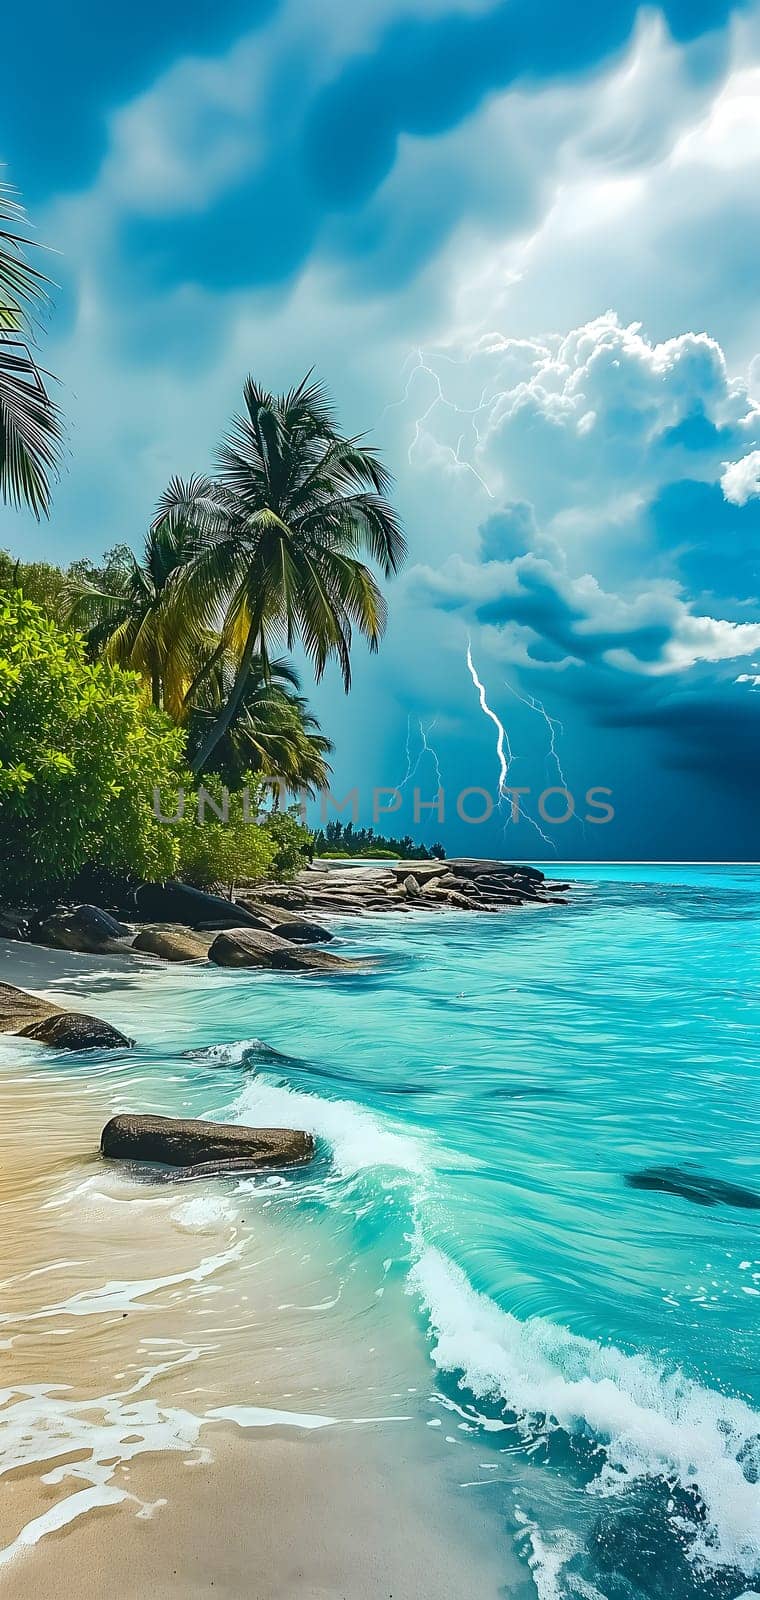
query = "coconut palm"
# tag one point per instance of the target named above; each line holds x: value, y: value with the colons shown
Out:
x: 30, y: 423
x: 125, y: 616
x: 273, y: 731
x: 283, y: 525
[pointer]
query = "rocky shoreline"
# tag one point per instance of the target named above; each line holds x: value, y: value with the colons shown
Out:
x: 276, y: 925
x: 464, y: 883
x: 272, y: 926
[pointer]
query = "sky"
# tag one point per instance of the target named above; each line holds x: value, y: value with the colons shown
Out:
x: 519, y: 242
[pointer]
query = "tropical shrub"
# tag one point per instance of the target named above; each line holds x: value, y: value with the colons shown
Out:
x: 223, y: 851
x: 80, y: 755
x: 293, y: 843
x: 244, y: 843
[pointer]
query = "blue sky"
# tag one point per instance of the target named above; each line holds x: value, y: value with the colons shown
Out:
x: 519, y: 242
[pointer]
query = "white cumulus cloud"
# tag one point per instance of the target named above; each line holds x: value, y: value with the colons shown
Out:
x: 741, y: 479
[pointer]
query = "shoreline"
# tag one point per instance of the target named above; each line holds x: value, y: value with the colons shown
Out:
x: 130, y: 1482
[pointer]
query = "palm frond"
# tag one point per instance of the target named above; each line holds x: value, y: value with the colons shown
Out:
x: 30, y: 428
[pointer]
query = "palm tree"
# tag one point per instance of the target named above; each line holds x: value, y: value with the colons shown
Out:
x: 125, y: 616
x: 283, y: 526
x: 273, y: 732
x: 30, y: 422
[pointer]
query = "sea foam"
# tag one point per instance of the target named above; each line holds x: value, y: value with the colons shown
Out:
x: 359, y: 1142
x: 651, y: 1423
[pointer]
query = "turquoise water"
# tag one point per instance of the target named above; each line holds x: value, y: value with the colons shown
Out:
x: 480, y: 1099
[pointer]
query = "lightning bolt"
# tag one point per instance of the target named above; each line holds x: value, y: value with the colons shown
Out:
x: 504, y: 751
x: 534, y: 704
x: 426, y: 749
x: 553, y: 724
x: 502, y: 737
x: 439, y: 398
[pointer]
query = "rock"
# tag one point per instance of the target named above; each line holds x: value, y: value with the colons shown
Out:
x: 698, y: 1187
x: 300, y: 931
x: 253, y: 947
x: 174, y: 944
x: 421, y: 870
x: 86, y: 929
x: 15, y: 924
x: 431, y: 884
x: 185, y: 1143
x: 194, y: 908
x: 304, y: 959
x: 470, y: 867
x: 289, y: 899
x: 450, y: 897
x: 70, y: 1030
x: 18, y: 1009
x: 411, y: 887
x: 273, y: 919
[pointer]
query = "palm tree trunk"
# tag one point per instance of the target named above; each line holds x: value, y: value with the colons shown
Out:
x: 203, y: 672
x: 155, y: 689
x: 229, y: 709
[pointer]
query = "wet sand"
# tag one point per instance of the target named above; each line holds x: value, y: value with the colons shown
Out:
x: 270, y: 1518
x: 187, y: 1374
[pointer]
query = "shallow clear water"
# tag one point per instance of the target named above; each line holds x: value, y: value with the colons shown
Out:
x: 480, y: 1099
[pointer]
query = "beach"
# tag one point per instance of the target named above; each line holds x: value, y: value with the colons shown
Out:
x: 129, y: 1325
x: 455, y: 1354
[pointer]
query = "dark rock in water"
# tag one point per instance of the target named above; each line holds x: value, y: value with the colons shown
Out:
x: 70, y: 1030
x: 213, y: 1146
x: 173, y: 944
x: 179, y: 902
x: 86, y: 929
x: 272, y: 919
x: 298, y: 930
x: 697, y: 1187
x: 254, y: 947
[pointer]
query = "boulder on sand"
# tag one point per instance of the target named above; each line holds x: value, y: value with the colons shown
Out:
x: 194, y: 908
x: 213, y: 1146
x: 86, y: 929
x: 173, y: 944
x: 70, y: 1030
x: 255, y: 947
x: 18, y: 1009
x: 31, y: 1017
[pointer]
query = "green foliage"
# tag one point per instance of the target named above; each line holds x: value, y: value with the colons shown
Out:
x: 215, y: 852
x: 280, y: 531
x: 235, y: 847
x: 273, y: 731
x: 343, y: 839
x: 39, y: 581
x: 79, y: 758
x: 293, y: 843
x: 30, y: 424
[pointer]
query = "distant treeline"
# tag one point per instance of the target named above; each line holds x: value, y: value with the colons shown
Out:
x: 343, y: 839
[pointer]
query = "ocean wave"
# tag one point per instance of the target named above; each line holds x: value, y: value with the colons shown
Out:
x: 651, y: 1423
x: 358, y: 1140
x: 227, y: 1055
